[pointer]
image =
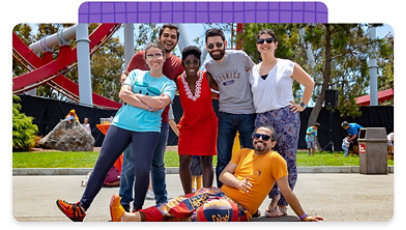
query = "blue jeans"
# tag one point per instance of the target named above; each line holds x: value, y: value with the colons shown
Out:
x: 345, y: 148
x: 229, y: 124
x: 157, y: 171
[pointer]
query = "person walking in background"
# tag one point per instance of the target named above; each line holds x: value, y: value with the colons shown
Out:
x: 272, y: 88
x: 228, y: 70
x: 168, y: 38
x: 311, y: 138
x: 198, y: 125
x: 146, y: 94
x: 353, y: 130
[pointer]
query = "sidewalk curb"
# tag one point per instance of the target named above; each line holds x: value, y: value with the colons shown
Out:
x: 84, y: 171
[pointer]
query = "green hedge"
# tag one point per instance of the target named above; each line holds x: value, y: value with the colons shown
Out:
x: 23, y: 129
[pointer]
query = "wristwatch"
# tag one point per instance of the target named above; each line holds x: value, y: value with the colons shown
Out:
x: 302, y: 104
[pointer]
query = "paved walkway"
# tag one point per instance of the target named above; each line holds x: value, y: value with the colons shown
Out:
x: 337, y: 197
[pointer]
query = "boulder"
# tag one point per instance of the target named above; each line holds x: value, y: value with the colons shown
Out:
x: 68, y: 136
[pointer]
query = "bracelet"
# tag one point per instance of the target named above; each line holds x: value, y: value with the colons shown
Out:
x: 303, y: 216
x: 150, y: 109
x: 302, y: 104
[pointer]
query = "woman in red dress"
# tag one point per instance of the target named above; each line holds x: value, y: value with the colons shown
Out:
x: 198, y: 125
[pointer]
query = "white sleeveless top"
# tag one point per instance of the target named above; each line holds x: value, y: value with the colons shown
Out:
x: 276, y: 91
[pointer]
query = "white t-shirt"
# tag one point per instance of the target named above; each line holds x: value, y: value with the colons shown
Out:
x: 276, y: 91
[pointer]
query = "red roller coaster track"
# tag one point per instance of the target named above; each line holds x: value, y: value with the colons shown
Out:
x: 47, y: 70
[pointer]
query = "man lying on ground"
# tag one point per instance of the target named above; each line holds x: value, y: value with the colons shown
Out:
x: 247, y: 180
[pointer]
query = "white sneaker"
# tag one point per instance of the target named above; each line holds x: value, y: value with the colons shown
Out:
x: 150, y: 195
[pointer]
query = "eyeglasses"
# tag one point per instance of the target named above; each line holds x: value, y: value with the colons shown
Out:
x: 192, y: 62
x: 267, y: 40
x: 263, y: 136
x: 152, y: 56
x: 211, y: 45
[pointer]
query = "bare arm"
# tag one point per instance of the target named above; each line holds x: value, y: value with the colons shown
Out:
x: 293, y: 201
x: 228, y: 178
x: 212, y: 82
x: 303, y: 78
x: 173, y: 126
x: 131, y: 98
x: 156, y: 102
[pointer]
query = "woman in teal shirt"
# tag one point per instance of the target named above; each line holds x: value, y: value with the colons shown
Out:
x: 146, y: 94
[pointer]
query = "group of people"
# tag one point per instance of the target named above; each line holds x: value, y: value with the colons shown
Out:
x: 256, y: 100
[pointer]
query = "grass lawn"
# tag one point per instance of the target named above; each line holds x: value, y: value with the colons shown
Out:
x: 88, y: 159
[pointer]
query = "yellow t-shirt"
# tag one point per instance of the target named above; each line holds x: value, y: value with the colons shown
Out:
x: 262, y: 170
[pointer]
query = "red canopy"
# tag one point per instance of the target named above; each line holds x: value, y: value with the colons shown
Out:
x: 382, y: 96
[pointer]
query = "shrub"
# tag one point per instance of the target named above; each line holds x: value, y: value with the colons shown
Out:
x: 23, y: 129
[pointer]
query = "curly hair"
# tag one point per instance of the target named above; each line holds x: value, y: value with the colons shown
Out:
x: 191, y: 50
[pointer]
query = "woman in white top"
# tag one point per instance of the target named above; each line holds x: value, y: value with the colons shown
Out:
x: 272, y: 87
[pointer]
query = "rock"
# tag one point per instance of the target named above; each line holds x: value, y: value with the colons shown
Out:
x: 68, y: 137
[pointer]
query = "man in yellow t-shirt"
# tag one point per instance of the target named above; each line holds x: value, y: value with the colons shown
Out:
x: 247, y: 179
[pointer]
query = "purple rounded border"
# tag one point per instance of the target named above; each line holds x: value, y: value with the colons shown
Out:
x: 203, y: 12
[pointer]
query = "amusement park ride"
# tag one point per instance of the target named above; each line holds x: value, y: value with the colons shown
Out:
x: 47, y: 70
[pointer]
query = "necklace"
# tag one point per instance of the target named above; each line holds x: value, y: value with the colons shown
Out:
x: 198, y: 87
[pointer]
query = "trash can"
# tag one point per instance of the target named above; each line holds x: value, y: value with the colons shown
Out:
x: 373, y: 151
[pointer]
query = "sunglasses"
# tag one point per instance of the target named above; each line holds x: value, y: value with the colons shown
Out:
x: 191, y: 62
x: 152, y: 56
x: 211, y: 45
x: 267, y: 40
x: 264, y: 137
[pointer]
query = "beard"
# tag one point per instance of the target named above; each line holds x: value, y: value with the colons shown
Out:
x: 218, y: 56
x: 260, y: 148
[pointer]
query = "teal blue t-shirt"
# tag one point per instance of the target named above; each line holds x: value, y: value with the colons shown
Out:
x: 141, y: 120
x: 313, y: 134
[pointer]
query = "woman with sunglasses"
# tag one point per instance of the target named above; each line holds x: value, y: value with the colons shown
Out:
x: 198, y: 125
x: 146, y: 94
x: 272, y: 87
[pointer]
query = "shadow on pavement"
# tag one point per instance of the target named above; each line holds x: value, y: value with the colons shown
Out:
x: 279, y: 219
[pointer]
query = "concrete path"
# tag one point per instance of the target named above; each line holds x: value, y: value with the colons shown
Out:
x: 337, y: 197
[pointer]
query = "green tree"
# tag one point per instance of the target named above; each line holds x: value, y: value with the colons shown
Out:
x: 23, y: 129
x: 385, y: 62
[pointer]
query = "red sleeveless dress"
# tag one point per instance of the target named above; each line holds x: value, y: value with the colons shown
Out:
x: 198, y: 125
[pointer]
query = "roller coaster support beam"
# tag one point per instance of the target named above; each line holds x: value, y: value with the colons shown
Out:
x: 84, y: 75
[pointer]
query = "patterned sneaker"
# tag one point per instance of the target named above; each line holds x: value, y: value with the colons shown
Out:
x: 116, y: 210
x: 73, y: 211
